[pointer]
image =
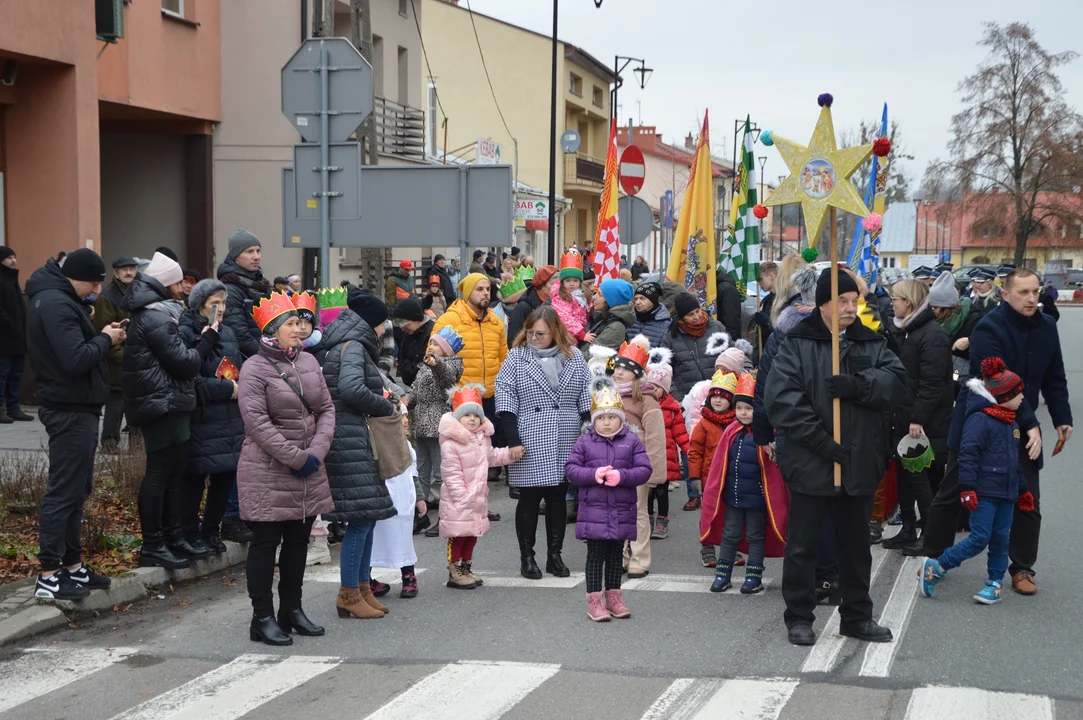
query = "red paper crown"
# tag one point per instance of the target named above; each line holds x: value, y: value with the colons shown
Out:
x: 571, y: 259
x: 434, y: 280
x: 464, y: 395
x: 305, y: 301
x: 267, y: 309
x: 746, y: 386
x: 635, y: 353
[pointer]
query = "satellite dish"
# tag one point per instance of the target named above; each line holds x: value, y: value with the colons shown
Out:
x: 569, y: 141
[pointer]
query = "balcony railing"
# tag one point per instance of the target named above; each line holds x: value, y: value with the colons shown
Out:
x: 400, y: 130
x: 580, y: 168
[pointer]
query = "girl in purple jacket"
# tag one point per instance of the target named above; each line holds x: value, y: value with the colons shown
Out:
x: 607, y: 463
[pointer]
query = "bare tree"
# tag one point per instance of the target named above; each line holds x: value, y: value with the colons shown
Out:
x: 1015, y: 146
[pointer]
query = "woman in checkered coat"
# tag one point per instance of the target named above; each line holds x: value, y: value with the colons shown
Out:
x: 542, y: 398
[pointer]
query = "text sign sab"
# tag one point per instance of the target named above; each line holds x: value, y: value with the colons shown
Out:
x: 632, y: 170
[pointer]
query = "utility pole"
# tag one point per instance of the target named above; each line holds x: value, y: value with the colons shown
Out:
x: 372, y: 259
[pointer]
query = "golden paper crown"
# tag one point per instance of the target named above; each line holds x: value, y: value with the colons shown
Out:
x: 635, y: 353
x: 469, y: 394
x: 305, y: 300
x: 726, y: 382
x: 604, y: 398
x: 267, y: 309
x: 746, y: 386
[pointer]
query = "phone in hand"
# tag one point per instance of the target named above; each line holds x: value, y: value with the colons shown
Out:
x: 1058, y: 447
x: 125, y: 323
x: 214, y: 315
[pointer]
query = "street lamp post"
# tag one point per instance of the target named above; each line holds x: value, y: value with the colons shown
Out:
x: 781, y: 223
x: 642, y: 71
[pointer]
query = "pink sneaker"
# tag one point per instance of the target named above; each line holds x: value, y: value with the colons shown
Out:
x: 596, y: 607
x: 615, y: 603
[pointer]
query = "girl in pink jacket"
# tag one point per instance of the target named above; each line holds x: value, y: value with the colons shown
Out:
x: 568, y: 301
x: 466, y: 453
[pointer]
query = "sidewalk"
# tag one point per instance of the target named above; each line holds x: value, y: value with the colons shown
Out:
x: 24, y: 437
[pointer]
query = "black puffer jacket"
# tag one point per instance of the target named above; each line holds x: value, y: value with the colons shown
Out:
x: 762, y: 431
x: 412, y: 349
x: 12, y: 314
x: 799, y: 406
x: 925, y: 351
x: 217, y: 432
x: 729, y: 304
x: 348, y: 353
x: 691, y: 363
x: 243, y: 289
x: 159, y: 369
x: 527, y: 304
x: 67, y: 353
x: 446, y: 285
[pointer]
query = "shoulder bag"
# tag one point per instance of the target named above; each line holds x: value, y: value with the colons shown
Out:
x: 387, y: 438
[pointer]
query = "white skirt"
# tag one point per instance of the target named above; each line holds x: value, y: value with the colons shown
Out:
x: 393, y: 539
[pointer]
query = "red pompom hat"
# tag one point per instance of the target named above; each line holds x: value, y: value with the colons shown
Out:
x: 1001, y: 382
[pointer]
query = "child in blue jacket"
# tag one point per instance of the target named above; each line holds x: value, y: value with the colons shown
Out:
x: 991, y: 481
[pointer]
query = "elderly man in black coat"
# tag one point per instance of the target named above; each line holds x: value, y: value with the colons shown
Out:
x: 13, y: 329
x: 798, y: 399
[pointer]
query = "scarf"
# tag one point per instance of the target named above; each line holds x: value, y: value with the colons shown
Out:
x: 174, y: 308
x: 646, y: 317
x: 957, y: 318
x: 625, y: 389
x: 697, y: 329
x: 312, y: 340
x: 1002, y: 414
x: 251, y: 281
x: 551, y: 362
x: 271, y: 342
x: 719, y: 419
x: 903, y: 323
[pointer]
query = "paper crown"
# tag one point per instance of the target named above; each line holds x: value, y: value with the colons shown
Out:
x: 434, y: 280
x: 512, y: 287
x: 332, y: 303
x: 467, y: 399
x: 605, y: 398
x: 635, y: 353
x: 305, y: 302
x: 723, y: 382
x: 267, y: 309
x: 449, y: 336
x: 571, y: 264
x: 525, y: 272
x: 746, y: 387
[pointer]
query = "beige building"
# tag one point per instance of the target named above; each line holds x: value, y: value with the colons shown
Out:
x: 254, y: 140
x: 519, y: 63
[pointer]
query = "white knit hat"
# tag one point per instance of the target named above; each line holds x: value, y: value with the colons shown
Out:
x: 164, y: 270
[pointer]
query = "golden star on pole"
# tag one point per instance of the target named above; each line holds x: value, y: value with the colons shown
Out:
x: 820, y: 176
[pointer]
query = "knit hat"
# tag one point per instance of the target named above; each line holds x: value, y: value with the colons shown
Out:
x: 84, y: 265
x: 542, y: 275
x: 616, y: 292
x: 823, y: 285
x: 449, y: 340
x: 732, y: 360
x: 466, y: 400
x: 164, y: 270
x: 660, y: 368
x: 370, y: 308
x: 168, y: 252
x: 124, y: 261
x: 650, y: 290
x: 203, y: 290
x: 467, y: 284
x: 605, y: 399
x: 1001, y: 382
x: 803, y: 284
x: 192, y: 274
x: 408, y: 309
x: 240, y: 241
x: 943, y: 293
x: 685, y: 303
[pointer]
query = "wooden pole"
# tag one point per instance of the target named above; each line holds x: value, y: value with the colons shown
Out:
x: 836, y: 405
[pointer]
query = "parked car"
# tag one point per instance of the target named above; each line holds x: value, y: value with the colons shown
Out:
x: 962, y: 275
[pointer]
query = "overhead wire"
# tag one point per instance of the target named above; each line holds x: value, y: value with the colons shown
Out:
x: 425, y: 55
x: 485, y: 67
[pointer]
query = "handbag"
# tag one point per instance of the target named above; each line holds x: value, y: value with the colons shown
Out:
x: 387, y: 438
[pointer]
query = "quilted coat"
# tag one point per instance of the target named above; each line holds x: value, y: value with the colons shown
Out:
x: 217, y: 428
x: 430, y: 395
x: 348, y: 350
x: 159, y: 368
x: 484, y: 343
x: 243, y: 289
x: 645, y: 417
x: 465, y: 459
x: 608, y: 513
x: 691, y: 363
x: 989, y: 454
x: 925, y: 351
x: 653, y: 329
x: 547, y: 421
x: 280, y: 434
x: 677, y: 440
x: 110, y: 307
x: 705, y: 438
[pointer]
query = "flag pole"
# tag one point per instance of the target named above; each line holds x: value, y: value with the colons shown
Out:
x: 836, y: 405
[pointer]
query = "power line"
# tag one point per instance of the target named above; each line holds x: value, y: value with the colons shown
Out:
x: 425, y: 55
x: 486, y: 68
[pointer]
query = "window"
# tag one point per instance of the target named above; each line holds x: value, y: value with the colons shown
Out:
x: 378, y: 66
x: 403, y: 4
x: 173, y: 7
x: 575, y: 87
x: 404, y: 76
x: 598, y: 101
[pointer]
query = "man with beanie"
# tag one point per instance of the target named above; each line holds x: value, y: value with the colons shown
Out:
x: 798, y: 398
x: 68, y: 357
x: 728, y: 303
x: 613, y: 314
x: 439, y: 269
x: 111, y: 307
x: 652, y: 317
x: 416, y: 328
x: 545, y: 278
x: 687, y: 338
x: 399, y: 285
x: 13, y: 329
x: 245, y: 286
x: 475, y: 262
x: 493, y: 271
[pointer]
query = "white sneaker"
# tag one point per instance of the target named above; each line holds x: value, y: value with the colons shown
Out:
x: 318, y: 552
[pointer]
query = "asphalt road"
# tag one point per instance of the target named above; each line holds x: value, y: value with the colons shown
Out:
x: 522, y: 649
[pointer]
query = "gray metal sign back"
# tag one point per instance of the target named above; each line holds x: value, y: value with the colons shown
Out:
x: 636, y: 219
x: 349, y: 89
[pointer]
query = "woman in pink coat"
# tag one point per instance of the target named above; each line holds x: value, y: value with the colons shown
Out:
x: 466, y: 454
x: 289, y: 421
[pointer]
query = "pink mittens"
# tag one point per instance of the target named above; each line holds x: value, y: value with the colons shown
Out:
x: 599, y: 474
x: 612, y: 478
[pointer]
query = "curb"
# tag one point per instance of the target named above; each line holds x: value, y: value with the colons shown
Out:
x: 39, y: 615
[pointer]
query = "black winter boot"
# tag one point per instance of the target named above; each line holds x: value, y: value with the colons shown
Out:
x: 907, y: 535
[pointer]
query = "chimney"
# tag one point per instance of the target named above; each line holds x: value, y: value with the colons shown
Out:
x: 690, y: 142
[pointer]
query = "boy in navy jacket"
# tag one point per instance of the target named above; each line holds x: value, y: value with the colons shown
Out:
x: 991, y: 481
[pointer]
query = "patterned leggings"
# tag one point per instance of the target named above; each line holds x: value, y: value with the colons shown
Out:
x: 604, y: 561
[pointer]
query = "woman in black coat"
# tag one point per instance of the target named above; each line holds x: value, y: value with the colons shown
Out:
x: 348, y: 353
x: 688, y: 335
x: 159, y: 372
x: 217, y: 427
x: 925, y: 352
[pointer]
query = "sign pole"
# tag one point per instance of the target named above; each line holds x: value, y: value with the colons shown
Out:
x: 325, y: 178
x: 836, y: 405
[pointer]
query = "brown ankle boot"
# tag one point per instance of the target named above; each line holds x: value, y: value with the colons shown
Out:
x: 457, y: 580
x: 368, y: 597
x: 350, y: 603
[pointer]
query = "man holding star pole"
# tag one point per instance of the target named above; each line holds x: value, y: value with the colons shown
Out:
x: 827, y: 395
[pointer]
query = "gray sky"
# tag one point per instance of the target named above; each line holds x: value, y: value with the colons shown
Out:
x: 707, y: 54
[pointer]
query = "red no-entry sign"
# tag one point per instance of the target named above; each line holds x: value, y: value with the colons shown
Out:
x: 632, y: 170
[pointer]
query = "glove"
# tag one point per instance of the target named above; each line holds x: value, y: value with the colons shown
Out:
x: 1026, y: 502
x: 837, y: 453
x: 969, y: 499
x: 311, y: 465
x: 612, y: 478
x: 762, y: 319
x: 843, y: 387
x: 599, y: 474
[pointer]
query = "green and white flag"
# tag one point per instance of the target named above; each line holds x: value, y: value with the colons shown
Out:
x: 741, y: 247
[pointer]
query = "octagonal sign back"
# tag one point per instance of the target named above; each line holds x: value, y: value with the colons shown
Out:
x: 349, y: 89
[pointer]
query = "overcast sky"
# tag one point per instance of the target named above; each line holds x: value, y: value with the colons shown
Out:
x: 775, y: 58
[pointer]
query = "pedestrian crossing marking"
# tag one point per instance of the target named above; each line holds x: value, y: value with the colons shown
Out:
x: 954, y: 703
x: 739, y: 699
x: 896, y: 615
x: 467, y: 691
x: 232, y: 690
x: 37, y: 672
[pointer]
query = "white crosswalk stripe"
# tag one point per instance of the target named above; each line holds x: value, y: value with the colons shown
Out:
x: 740, y: 699
x: 896, y: 615
x: 950, y: 703
x: 34, y: 673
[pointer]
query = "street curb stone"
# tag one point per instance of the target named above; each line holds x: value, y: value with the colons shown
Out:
x: 39, y: 615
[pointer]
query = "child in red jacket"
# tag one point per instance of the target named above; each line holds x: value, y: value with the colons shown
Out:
x: 659, y: 382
